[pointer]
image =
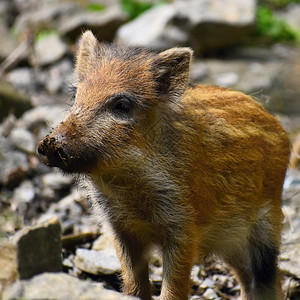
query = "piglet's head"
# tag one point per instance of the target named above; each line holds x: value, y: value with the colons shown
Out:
x: 118, y: 95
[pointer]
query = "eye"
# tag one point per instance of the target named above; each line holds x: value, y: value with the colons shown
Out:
x: 122, y: 107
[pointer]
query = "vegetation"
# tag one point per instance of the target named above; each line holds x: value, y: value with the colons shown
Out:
x: 134, y: 8
x: 278, y: 3
x: 45, y: 33
x: 95, y: 7
x: 274, y: 29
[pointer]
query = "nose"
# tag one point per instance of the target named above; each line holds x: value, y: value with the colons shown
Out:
x: 52, y: 151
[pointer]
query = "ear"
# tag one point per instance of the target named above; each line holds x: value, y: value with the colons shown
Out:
x: 172, y: 71
x: 87, y: 55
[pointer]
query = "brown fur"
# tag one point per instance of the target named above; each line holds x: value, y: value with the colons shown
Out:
x: 197, y: 170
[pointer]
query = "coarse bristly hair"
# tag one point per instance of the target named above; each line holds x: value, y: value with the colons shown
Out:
x: 196, y: 170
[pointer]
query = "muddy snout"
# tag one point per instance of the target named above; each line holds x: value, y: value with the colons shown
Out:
x: 52, y: 152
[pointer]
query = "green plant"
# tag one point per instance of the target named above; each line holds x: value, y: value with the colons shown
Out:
x: 277, y: 3
x: 45, y: 33
x: 95, y: 7
x: 272, y: 28
x: 134, y: 8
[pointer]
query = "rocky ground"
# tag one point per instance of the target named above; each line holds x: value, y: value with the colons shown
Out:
x: 36, y: 70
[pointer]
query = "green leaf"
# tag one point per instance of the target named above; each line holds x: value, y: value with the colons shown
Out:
x: 95, y: 7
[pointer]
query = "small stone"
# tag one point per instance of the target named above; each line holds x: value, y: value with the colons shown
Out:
x: 20, y: 77
x: 210, y: 294
x: 23, y: 139
x: 56, y: 181
x: 12, y: 101
x: 105, y: 241
x: 226, y: 79
x: 50, y: 49
x: 207, y: 283
x: 14, y: 164
x: 24, y: 193
x: 97, y: 262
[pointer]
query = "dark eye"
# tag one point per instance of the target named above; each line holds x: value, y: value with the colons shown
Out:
x: 122, y: 107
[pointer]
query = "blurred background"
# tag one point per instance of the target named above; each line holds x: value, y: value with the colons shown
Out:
x: 247, y: 45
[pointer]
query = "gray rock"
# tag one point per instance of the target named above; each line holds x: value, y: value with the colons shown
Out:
x: 43, y: 15
x: 203, y: 25
x: 41, y: 118
x: 60, y: 286
x: 12, y: 101
x: 150, y: 29
x: 38, y: 249
x: 104, y: 24
x: 23, y: 194
x: 49, y: 49
x: 23, y: 139
x: 56, y: 181
x: 31, y: 251
x: 21, y: 77
x: 14, y: 164
x: 7, y: 41
x: 290, y: 14
x: 286, y: 92
x: 59, y: 76
x: 67, y: 210
x: 97, y: 262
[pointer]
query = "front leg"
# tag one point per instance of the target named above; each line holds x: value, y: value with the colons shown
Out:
x: 134, y: 265
x: 178, y: 258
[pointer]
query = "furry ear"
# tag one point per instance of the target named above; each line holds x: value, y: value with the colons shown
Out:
x: 172, y: 71
x: 87, y: 55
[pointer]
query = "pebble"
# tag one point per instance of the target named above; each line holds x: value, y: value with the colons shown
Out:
x: 50, y: 49
x: 56, y: 181
x: 23, y: 139
x: 97, y: 262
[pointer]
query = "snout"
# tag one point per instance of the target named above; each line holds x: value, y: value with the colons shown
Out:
x: 52, y: 152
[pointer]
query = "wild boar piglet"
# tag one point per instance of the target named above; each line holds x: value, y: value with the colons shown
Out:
x: 194, y: 170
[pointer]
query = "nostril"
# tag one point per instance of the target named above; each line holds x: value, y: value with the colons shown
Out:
x: 41, y: 151
x: 52, y: 152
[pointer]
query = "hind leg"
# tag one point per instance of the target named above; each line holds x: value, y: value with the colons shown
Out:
x: 256, y: 266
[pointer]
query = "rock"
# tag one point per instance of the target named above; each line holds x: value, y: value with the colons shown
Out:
x: 14, y: 164
x: 31, y: 251
x: 43, y: 15
x: 23, y: 139
x: 41, y: 117
x: 105, y: 240
x: 60, y: 286
x: 97, y: 262
x: 290, y: 14
x: 104, y: 24
x: 23, y: 196
x: 210, y: 294
x: 21, y: 78
x: 7, y: 41
x: 289, y: 261
x: 150, y: 29
x: 59, y: 76
x: 203, y: 25
x: 11, y: 101
x: 286, y: 92
x: 49, y: 49
x: 57, y: 181
x: 69, y: 211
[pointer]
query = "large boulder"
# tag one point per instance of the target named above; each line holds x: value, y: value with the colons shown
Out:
x: 204, y: 25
